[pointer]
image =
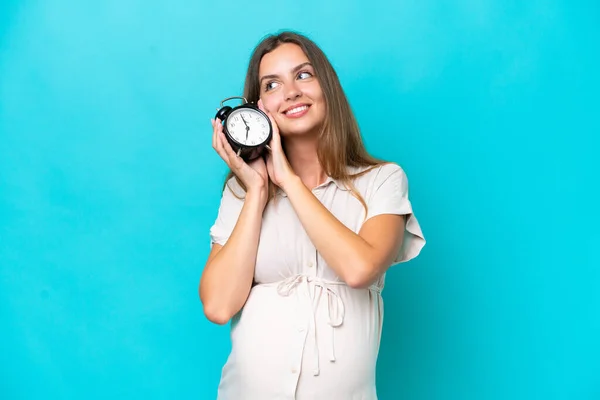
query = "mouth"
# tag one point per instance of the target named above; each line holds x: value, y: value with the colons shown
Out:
x: 296, y: 111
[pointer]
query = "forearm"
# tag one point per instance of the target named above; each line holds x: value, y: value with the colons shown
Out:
x: 227, y: 277
x: 348, y: 254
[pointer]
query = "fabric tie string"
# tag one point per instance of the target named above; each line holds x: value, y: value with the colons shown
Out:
x: 335, y: 306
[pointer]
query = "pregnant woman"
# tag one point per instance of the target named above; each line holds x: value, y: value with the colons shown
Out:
x: 303, y: 238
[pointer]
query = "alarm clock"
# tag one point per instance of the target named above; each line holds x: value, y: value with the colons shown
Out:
x: 246, y: 127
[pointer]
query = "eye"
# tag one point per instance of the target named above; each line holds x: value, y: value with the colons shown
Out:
x: 270, y: 85
x: 304, y: 75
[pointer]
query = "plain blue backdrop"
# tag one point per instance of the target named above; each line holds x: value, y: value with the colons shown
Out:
x: 109, y: 184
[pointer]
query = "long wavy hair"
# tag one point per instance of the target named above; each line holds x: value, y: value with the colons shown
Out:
x: 340, y: 141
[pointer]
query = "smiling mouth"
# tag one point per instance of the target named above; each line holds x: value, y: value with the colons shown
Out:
x: 296, y: 111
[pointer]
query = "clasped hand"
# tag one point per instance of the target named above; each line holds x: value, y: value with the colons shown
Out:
x: 256, y: 173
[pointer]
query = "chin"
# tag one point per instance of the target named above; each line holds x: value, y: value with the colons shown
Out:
x: 299, y: 130
x: 299, y: 127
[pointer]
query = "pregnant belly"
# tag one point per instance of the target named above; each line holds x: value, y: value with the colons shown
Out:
x: 280, y: 343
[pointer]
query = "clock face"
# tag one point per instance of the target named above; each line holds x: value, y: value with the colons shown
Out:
x: 248, y: 127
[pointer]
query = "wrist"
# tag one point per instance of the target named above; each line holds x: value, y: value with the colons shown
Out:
x: 291, y: 183
x: 257, y: 195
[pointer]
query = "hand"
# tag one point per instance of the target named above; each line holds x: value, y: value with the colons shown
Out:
x: 254, y: 175
x: 278, y: 166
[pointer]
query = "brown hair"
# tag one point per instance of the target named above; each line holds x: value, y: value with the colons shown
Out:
x: 340, y: 141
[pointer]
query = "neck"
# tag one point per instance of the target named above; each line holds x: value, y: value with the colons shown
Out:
x: 302, y: 156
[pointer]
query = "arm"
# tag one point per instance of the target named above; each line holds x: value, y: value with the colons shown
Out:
x: 229, y: 270
x: 359, y: 259
x: 227, y: 277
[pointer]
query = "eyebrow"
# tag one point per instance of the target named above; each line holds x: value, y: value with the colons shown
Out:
x: 295, y: 69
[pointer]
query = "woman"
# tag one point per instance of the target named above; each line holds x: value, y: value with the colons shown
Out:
x: 303, y: 238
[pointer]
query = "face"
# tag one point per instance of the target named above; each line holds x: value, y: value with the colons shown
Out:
x: 290, y: 91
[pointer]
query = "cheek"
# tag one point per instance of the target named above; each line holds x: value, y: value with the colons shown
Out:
x: 317, y: 96
x: 271, y: 105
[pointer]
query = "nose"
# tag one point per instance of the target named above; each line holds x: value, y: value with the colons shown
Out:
x: 292, y: 92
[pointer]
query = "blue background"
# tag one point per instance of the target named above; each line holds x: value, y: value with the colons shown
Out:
x: 109, y: 184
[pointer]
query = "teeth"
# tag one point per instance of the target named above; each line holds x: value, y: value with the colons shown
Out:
x: 296, y: 110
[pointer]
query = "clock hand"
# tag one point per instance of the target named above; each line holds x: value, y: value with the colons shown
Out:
x: 247, y: 127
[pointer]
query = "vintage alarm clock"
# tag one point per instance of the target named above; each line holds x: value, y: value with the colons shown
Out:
x: 247, y: 128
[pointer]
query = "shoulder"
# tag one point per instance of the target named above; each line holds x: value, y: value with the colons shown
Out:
x: 376, y: 175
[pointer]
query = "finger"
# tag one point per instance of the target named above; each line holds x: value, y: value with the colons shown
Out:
x: 231, y: 155
x: 276, y: 135
x: 223, y: 142
x: 214, y: 133
x: 263, y: 109
x: 216, y: 140
x: 219, y: 142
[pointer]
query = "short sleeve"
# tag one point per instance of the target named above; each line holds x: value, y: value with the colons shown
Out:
x: 230, y: 208
x: 389, y: 195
